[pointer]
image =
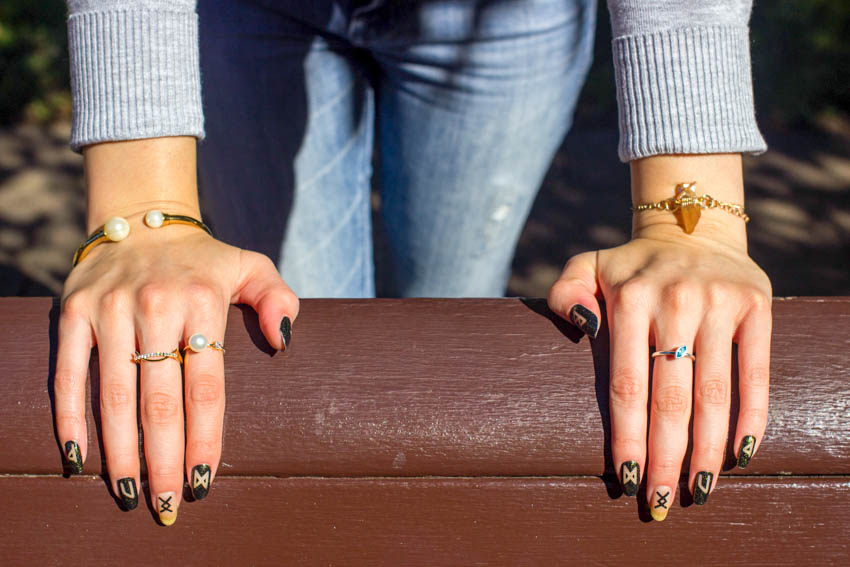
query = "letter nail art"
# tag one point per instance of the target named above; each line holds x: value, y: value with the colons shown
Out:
x: 286, y: 332
x: 748, y: 445
x: 166, y: 507
x: 585, y: 319
x: 127, y: 493
x: 201, y: 476
x: 74, y: 457
x: 630, y: 476
x: 702, y: 487
x: 660, y: 502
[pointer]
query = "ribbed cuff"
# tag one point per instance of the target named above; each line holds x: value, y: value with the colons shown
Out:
x: 683, y: 91
x: 134, y: 74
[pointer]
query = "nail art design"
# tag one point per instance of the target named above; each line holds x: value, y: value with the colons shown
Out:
x: 748, y: 445
x: 201, y: 476
x: 585, y: 319
x: 286, y: 331
x: 660, y: 503
x: 630, y: 475
x: 166, y: 507
x: 127, y: 493
x: 74, y: 457
x: 702, y: 487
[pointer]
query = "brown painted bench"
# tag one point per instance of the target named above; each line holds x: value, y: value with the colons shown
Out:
x: 431, y: 432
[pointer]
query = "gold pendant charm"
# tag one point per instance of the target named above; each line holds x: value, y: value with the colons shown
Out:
x: 688, y: 209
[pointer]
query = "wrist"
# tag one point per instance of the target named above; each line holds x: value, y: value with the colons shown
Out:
x: 134, y: 213
x: 714, y: 225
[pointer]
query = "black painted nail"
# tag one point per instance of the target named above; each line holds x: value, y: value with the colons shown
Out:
x: 286, y: 332
x: 702, y: 487
x: 748, y: 445
x: 201, y: 477
x: 630, y: 476
x: 585, y: 319
x: 74, y: 457
x: 127, y: 493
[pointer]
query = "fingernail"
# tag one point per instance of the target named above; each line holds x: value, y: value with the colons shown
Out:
x: 660, y: 503
x: 166, y: 507
x: 201, y: 476
x: 630, y: 475
x: 585, y: 319
x: 286, y: 332
x: 74, y: 457
x: 127, y: 493
x: 702, y: 487
x: 748, y: 445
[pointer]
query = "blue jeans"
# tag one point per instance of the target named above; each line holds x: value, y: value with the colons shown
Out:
x: 465, y: 101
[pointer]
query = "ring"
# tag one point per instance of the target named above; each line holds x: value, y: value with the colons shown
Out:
x: 680, y: 352
x: 157, y: 356
x: 199, y: 342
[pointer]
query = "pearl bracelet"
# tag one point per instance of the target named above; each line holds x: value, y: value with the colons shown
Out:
x: 117, y: 229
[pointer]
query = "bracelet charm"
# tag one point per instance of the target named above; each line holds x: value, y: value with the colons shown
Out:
x: 687, y: 206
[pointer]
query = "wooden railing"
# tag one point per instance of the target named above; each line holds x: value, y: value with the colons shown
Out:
x: 431, y: 432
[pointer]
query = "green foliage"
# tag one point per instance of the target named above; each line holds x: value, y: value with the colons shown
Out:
x: 33, y: 60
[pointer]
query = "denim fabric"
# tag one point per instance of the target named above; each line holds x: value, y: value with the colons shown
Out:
x: 465, y: 102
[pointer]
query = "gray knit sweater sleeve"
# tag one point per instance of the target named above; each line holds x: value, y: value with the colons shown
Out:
x: 134, y: 70
x: 683, y: 75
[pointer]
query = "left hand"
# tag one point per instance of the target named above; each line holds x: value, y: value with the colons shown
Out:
x: 667, y: 289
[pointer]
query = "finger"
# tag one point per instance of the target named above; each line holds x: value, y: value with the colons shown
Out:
x: 204, y: 389
x: 672, y: 386
x: 262, y: 288
x: 116, y: 340
x: 162, y: 400
x: 711, y: 403
x: 629, y: 385
x: 69, y: 385
x: 573, y: 296
x: 753, y: 380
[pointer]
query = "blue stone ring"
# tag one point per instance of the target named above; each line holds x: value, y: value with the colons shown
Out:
x: 680, y: 352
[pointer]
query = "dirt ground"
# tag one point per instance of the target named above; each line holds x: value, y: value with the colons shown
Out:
x: 798, y: 196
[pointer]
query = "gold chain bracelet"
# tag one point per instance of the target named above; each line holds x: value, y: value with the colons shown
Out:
x: 687, y: 206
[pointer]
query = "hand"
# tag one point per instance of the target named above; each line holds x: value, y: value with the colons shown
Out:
x: 667, y: 289
x: 150, y: 293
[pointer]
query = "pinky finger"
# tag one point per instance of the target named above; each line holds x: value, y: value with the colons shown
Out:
x: 754, y: 381
x: 69, y: 387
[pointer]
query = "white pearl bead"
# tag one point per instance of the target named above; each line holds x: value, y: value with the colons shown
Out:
x: 198, y: 342
x: 116, y: 229
x: 154, y: 219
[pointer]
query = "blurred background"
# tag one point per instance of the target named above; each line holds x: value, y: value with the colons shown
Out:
x: 798, y: 193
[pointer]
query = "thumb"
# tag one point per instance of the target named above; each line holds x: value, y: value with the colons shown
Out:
x: 261, y: 287
x: 573, y: 296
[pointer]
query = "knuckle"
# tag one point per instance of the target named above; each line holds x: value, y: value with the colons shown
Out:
x: 633, y: 294
x: 116, y: 300
x: 753, y: 415
x: 672, y: 401
x: 717, y: 296
x: 759, y: 301
x: 757, y: 377
x: 68, y: 421
x: 153, y: 298
x: 67, y: 383
x: 626, y: 445
x: 627, y: 387
x: 679, y: 295
x: 207, y: 391
x: 199, y: 447
x: 713, y: 392
x: 166, y: 470
x: 76, y: 305
x: 161, y: 408
x: 712, y: 448
x: 116, y: 398
x: 667, y: 465
x: 203, y: 296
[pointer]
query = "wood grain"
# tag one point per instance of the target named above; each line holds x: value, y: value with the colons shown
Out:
x: 473, y: 387
x: 426, y: 522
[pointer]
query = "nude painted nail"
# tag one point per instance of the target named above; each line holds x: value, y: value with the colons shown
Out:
x: 702, y: 487
x: 659, y: 505
x: 748, y: 445
x: 74, y: 457
x: 585, y: 319
x: 201, y: 476
x: 285, y: 332
x: 166, y: 507
x: 127, y: 493
x: 630, y: 477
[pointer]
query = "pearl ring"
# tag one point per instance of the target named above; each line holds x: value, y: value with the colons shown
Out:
x: 199, y: 342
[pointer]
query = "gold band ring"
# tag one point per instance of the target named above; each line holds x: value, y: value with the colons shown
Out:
x: 157, y: 356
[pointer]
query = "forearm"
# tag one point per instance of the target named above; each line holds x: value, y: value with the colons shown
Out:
x: 129, y: 177
x: 719, y: 175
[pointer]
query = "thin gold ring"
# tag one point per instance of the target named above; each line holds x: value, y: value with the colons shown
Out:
x: 157, y: 356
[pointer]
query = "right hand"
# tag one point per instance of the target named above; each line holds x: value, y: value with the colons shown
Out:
x: 151, y: 292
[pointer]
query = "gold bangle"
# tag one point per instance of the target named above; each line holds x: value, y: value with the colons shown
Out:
x: 686, y: 205
x: 117, y: 229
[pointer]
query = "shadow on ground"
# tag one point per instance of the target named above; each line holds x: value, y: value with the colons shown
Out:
x: 798, y: 195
